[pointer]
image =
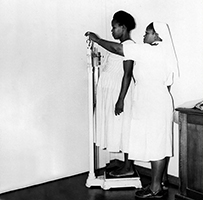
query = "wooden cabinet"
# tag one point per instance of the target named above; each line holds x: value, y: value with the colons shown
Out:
x: 190, y: 154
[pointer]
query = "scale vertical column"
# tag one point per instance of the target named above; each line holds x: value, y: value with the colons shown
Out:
x: 91, y: 110
x: 93, y: 62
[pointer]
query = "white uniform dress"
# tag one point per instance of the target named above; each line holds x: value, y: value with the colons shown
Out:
x: 151, y: 126
x: 112, y: 132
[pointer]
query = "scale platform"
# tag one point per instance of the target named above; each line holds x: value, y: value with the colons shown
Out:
x: 106, y: 182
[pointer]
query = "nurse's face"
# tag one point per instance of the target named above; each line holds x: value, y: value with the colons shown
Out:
x: 150, y: 36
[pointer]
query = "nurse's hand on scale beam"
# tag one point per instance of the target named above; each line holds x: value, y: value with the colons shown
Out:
x: 92, y: 36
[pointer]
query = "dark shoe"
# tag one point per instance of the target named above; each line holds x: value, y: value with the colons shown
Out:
x: 147, y: 193
x: 164, y: 185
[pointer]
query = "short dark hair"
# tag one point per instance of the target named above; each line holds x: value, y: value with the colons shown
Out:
x: 124, y: 18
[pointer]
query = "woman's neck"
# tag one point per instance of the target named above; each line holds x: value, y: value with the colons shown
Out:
x: 125, y: 37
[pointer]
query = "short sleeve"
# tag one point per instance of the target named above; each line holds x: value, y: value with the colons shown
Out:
x: 128, y: 51
x: 133, y: 51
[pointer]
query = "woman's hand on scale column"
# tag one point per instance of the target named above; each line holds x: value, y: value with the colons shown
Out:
x: 92, y: 36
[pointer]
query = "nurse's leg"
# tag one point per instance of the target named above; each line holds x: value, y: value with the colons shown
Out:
x: 155, y: 189
x: 165, y: 175
x: 157, y: 174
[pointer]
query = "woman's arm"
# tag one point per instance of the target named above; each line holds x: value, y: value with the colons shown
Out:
x: 127, y: 76
x: 113, y: 47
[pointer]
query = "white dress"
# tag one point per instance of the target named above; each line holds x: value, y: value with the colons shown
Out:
x: 151, y: 125
x: 112, y: 132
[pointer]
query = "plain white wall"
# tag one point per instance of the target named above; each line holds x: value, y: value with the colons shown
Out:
x: 43, y: 89
x: 185, y: 19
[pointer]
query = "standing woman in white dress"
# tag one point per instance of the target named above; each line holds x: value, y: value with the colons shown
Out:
x: 112, y: 131
x: 151, y: 125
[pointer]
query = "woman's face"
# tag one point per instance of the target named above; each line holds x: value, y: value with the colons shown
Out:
x: 150, y: 36
x: 117, y: 30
